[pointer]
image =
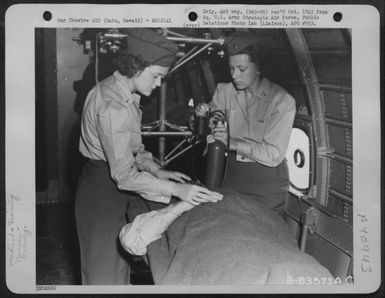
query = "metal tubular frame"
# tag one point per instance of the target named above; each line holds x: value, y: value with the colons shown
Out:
x: 339, y: 123
x: 167, y: 161
x: 186, y: 56
x: 196, y: 40
x: 175, y: 149
x: 189, y: 58
x: 339, y: 88
x: 187, y: 133
x: 341, y: 196
x: 168, y: 31
x: 343, y: 159
x: 162, y: 122
x: 179, y: 37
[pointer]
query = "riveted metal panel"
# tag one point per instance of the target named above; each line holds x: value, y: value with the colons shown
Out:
x: 341, y: 177
x: 340, y: 205
x: 330, y: 226
x: 338, y: 105
x: 341, y: 140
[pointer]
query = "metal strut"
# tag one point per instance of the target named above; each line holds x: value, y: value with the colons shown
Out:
x: 309, y: 220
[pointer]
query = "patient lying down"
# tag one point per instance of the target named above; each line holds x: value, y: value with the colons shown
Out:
x: 148, y: 227
x: 234, y: 241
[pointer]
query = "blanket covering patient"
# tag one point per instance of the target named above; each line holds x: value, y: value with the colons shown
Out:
x: 234, y: 241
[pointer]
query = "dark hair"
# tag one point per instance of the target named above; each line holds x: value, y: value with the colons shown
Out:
x: 257, y: 55
x: 129, y: 65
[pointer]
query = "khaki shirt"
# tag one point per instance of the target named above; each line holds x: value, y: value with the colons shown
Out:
x: 110, y: 131
x: 263, y: 128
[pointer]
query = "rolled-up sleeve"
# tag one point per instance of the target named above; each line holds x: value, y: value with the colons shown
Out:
x: 144, y: 161
x: 271, y: 151
x: 148, y: 227
x: 129, y: 174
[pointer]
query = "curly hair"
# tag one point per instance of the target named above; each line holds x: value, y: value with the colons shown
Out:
x: 129, y: 65
x: 257, y: 55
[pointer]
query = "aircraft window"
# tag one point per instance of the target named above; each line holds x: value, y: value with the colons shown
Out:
x: 298, y: 159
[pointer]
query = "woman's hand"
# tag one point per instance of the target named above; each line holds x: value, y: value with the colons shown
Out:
x: 202, y: 109
x: 221, y: 134
x: 169, y: 175
x: 195, y: 194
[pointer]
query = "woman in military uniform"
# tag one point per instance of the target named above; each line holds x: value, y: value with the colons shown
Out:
x: 260, y: 118
x: 118, y: 166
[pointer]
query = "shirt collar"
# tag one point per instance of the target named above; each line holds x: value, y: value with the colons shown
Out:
x: 263, y: 90
x: 122, y: 83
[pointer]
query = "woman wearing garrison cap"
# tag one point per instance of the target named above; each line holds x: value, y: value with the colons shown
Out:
x: 117, y: 161
x: 260, y: 118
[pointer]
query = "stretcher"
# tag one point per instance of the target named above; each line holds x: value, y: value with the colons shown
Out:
x: 231, y: 242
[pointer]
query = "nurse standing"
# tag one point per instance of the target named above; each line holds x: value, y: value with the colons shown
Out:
x: 260, y: 118
x: 118, y: 165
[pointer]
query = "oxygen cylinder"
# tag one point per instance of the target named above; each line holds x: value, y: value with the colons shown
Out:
x: 201, y: 125
x: 215, y: 167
